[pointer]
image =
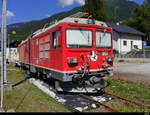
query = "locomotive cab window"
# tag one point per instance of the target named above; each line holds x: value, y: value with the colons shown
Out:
x: 79, y: 38
x: 103, y: 39
x: 55, y: 39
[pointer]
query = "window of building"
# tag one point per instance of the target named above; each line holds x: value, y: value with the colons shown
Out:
x: 125, y: 43
x: 131, y: 45
x: 55, y: 39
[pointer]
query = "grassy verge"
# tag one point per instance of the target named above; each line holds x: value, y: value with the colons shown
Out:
x: 129, y: 90
x: 147, y: 48
x: 133, y: 91
x: 26, y: 97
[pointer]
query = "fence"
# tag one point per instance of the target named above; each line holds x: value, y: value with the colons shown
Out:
x: 139, y: 54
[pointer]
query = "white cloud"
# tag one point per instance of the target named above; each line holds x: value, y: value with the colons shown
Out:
x: 82, y: 2
x: 48, y: 15
x: 10, y: 14
x: 64, y: 3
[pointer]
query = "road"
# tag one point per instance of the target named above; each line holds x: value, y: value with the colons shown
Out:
x: 137, y: 72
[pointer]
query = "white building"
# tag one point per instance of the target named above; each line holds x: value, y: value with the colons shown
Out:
x: 12, y: 55
x: 126, y: 38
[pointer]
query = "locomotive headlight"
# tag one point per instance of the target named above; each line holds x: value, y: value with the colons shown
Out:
x: 72, y: 60
x: 110, y: 59
x: 79, y: 69
x: 105, y: 65
x: 104, y: 53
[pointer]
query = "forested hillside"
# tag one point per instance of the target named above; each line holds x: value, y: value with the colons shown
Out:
x: 118, y: 10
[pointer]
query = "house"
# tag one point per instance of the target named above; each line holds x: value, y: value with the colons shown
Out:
x: 12, y: 55
x: 126, y: 38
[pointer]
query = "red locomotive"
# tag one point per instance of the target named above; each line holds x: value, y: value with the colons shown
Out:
x: 75, y: 52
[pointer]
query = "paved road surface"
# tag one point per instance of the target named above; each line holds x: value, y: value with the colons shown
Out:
x: 138, y: 72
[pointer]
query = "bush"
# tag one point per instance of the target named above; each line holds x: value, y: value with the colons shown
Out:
x: 148, y: 48
x: 115, y: 52
x: 132, y: 52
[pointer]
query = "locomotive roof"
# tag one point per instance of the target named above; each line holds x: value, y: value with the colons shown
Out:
x: 68, y: 20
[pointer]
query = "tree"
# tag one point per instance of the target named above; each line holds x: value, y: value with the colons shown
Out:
x: 141, y: 21
x: 146, y: 1
x: 96, y: 8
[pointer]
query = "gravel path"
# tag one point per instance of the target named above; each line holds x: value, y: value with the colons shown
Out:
x: 138, y: 72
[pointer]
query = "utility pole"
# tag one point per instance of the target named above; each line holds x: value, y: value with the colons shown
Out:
x: 3, y: 50
x: 9, y: 53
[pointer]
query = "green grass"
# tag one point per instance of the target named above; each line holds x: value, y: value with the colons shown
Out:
x: 129, y: 90
x: 26, y: 97
x: 147, y: 48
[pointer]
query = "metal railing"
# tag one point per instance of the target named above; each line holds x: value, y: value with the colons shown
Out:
x: 136, y: 54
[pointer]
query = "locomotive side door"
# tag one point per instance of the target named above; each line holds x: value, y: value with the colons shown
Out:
x: 56, y: 50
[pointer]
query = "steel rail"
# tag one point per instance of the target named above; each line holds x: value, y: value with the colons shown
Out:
x: 89, y: 98
x: 139, y: 104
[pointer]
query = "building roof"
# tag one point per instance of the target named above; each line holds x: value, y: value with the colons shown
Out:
x: 124, y: 29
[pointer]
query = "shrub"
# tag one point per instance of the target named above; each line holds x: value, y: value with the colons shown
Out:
x: 147, y: 48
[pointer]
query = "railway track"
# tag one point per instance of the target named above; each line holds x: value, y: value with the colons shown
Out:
x: 99, y: 103
x: 112, y: 109
x: 73, y: 102
x: 127, y: 100
x: 87, y: 97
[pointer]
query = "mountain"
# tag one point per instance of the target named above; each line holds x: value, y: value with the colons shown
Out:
x: 25, y: 28
x: 118, y: 10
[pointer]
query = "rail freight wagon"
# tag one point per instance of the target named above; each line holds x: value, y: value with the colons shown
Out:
x: 76, y: 53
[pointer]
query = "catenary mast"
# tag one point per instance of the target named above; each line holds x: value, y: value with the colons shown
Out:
x: 3, y: 49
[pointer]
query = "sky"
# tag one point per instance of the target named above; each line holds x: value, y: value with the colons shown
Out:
x: 27, y: 10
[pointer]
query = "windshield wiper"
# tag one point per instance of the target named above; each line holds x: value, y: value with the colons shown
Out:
x: 100, y: 39
x: 84, y: 35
